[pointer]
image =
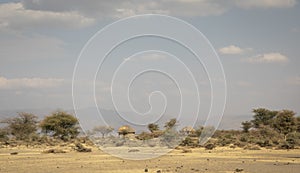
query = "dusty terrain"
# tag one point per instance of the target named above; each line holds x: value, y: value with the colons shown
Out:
x: 200, y: 160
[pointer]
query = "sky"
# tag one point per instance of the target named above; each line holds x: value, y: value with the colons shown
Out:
x: 257, y: 42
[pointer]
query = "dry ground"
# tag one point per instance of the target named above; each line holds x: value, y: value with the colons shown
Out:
x: 218, y: 160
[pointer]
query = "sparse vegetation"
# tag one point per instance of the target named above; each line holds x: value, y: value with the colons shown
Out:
x: 278, y: 129
x: 269, y: 129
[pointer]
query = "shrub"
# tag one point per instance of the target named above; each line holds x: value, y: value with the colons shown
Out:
x: 286, y: 145
x: 244, y: 138
x: 153, y: 127
x: 187, y: 142
x: 144, y: 136
x: 3, y: 134
x: 210, y: 146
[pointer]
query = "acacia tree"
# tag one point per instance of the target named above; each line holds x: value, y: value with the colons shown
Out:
x: 104, y: 130
x: 285, y: 122
x: 23, y: 126
x: 263, y: 116
x: 153, y: 127
x: 246, y: 125
x: 60, y: 124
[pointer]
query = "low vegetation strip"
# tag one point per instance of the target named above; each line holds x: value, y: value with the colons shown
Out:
x: 268, y: 129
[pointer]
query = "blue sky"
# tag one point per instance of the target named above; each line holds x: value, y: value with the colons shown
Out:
x: 257, y: 42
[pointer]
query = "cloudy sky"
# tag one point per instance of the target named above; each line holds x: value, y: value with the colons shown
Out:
x: 257, y: 42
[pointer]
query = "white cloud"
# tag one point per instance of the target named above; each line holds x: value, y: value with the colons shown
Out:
x: 232, y: 50
x: 121, y: 8
x: 19, y: 83
x: 265, y: 3
x: 268, y: 58
x: 78, y: 13
x: 16, y: 16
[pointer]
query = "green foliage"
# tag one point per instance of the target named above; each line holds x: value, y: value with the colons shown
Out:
x: 226, y: 137
x: 23, y: 126
x: 265, y: 136
x: 263, y: 116
x: 246, y: 125
x: 153, y: 127
x: 104, y: 130
x: 60, y: 124
x: 188, y: 142
x: 285, y: 122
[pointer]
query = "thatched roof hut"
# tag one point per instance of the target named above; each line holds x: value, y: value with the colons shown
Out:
x: 188, y: 130
x: 124, y: 130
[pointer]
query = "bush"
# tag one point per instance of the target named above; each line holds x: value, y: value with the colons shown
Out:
x: 244, y: 138
x: 263, y: 143
x: 210, y: 146
x: 286, y: 145
x: 3, y: 134
x: 144, y: 136
x: 187, y: 142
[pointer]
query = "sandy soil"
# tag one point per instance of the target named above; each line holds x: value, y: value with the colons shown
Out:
x: 218, y: 160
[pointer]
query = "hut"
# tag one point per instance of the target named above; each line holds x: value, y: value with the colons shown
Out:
x: 188, y: 130
x: 125, y: 130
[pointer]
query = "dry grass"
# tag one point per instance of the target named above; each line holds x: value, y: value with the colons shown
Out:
x: 199, y: 160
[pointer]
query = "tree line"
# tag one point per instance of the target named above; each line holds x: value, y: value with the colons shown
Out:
x: 26, y: 127
x: 268, y: 128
